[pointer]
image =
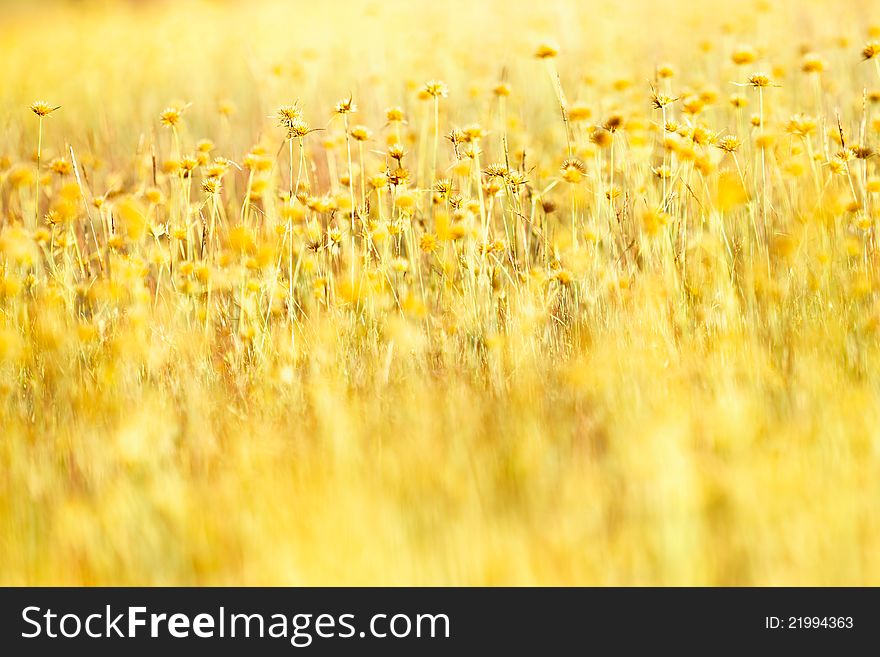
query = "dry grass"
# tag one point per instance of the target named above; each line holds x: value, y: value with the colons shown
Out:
x: 607, y: 315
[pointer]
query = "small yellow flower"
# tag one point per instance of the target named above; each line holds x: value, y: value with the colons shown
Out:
x: 546, y: 51
x: 42, y: 108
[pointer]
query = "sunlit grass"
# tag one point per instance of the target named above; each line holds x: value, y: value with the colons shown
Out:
x: 439, y: 293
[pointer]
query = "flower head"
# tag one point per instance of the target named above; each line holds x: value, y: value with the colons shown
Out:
x: 346, y: 106
x: 288, y: 115
x: 546, y: 51
x: 436, y: 88
x: 42, y: 108
x: 759, y: 80
x: 171, y: 116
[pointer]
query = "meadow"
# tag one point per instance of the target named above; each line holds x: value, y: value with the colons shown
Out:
x: 447, y: 293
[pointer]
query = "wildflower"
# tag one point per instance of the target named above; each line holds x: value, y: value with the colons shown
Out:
x: 601, y: 137
x: 743, y: 54
x: 573, y: 170
x: 495, y: 170
x: 871, y: 50
x: 41, y: 108
x: 666, y: 71
x: 579, y: 112
x: 345, y: 106
x: 759, y: 80
x: 60, y: 166
x: 813, y: 63
x: 728, y: 143
x: 436, y: 89
x: 862, y: 152
x: 288, y: 116
x: 546, y: 51
x: 171, y: 116
x: 692, y: 104
x: 396, y: 151
x: 738, y: 100
x: 361, y: 133
x: 428, y: 243
x: 211, y: 186
x: 800, y: 125
x: 298, y: 129
x: 395, y: 114
x: 443, y: 186
x: 613, y: 123
x: 659, y: 101
x: 472, y: 132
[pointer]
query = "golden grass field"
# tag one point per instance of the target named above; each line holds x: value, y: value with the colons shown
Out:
x: 473, y: 293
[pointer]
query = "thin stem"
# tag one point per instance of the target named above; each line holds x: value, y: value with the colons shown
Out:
x: 39, y: 173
